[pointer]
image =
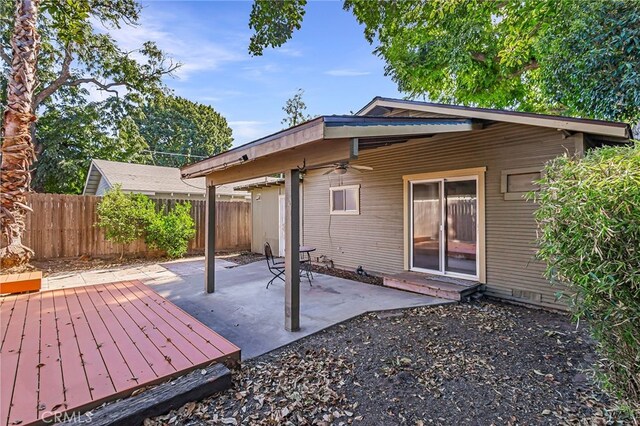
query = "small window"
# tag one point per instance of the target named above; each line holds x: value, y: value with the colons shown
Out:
x: 516, y: 183
x: 345, y: 199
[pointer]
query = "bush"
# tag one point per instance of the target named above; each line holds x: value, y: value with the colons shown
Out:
x: 124, y: 216
x: 172, y: 231
x: 589, y: 236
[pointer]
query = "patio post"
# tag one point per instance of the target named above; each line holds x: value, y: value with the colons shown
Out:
x: 210, y: 242
x: 292, y: 248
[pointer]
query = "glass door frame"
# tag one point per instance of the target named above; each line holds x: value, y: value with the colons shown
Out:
x: 442, y: 240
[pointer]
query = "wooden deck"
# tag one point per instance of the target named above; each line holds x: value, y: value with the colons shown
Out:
x: 72, y: 349
x: 432, y: 285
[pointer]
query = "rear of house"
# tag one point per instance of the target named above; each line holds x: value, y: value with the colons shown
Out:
x: 445, y: 203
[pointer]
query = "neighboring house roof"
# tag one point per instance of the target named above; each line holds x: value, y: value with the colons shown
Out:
x: 150, y: 180
x: 381, y: 122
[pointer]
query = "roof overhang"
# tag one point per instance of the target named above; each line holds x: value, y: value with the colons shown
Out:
x: 379, y: 106
x: 324, y: 140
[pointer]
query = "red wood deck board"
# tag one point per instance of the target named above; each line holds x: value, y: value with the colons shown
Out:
x: 28, y: 366
x: 140, y: 368
x: 51, y: 385
x: 188, y: 325
x: 100, y: 384
x: 86, y: 341
x: 10, y: 356
x: 160, y: 364
x: 152, y: 330
x: 139, y: 300
x: 74, y: 376
x: 6, y: 309
x: 119, y: 372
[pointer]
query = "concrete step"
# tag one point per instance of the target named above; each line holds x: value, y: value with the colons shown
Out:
x: 432, y: 285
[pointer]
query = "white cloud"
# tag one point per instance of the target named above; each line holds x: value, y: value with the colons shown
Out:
x: 246, y: 130
x: 259, y: 72
x: 194, y: 52
x: 289, y: 51
x: 346, y: 73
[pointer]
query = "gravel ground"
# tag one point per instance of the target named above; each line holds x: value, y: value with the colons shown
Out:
x: 470, y: 364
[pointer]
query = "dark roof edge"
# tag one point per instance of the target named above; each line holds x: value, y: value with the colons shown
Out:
x: 499, y: 111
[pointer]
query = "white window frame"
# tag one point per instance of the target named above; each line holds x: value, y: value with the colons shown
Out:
x: 333, y: 189
x: 479, y: 173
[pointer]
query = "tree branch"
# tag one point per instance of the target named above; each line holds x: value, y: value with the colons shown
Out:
x: 102, y: 86
x: 65, y: 74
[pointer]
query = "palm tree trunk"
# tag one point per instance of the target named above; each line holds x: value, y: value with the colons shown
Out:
x: 17, y: 147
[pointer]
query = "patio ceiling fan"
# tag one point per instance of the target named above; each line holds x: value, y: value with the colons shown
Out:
x: 341, y: 168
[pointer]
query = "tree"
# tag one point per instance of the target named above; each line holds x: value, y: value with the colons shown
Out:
x: 75, y: 134
x: 71, y: 54
x: 171, y: 230
x: 295, y: 109
x: 567, y: 56
x: 593, y: 65
x: 273, y: 23
x: 174, y: 125
x: 124, y: 216
x: 17, y: 146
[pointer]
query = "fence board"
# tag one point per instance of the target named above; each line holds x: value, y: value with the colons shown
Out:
x: 63, y: 226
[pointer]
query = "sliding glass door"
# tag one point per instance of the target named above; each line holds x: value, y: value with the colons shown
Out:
x: 444, y: 226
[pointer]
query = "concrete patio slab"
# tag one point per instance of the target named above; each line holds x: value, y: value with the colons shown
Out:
x: 242, y: 310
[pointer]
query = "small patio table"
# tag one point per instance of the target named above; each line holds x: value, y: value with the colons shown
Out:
x: 305, y: 260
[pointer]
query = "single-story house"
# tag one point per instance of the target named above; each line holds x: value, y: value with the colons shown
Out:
x: 153, y: 181
x: 415, y: 188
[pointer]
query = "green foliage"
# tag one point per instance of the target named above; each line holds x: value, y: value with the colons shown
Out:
x: 177, y: 125
x: 589, y: 237
x: 124, y: 216
x: 76, y: 133
x: 172, y: 231
x: 273, y: 22
x: 77, y: 53
x: 556, y: 56
x: 295, y: 108
x: 592, y: 66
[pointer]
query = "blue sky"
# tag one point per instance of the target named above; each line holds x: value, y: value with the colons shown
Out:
x: 328, y: 58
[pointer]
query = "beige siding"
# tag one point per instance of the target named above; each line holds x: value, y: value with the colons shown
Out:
x: 264, y: 204
x: 374, y: 239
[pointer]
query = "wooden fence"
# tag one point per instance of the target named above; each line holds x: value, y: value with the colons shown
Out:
x: 63, y: 226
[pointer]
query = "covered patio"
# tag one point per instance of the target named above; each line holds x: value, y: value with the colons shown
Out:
x: 317, y: 143
x: 247, y: 314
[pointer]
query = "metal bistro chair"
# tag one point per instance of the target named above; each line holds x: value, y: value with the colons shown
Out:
x: 275, y: 267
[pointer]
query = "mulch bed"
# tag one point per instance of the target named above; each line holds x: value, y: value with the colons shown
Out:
x: 242, y: 258
x: 482, y: 363
x: 86, y: 263
x: 349, y: 275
